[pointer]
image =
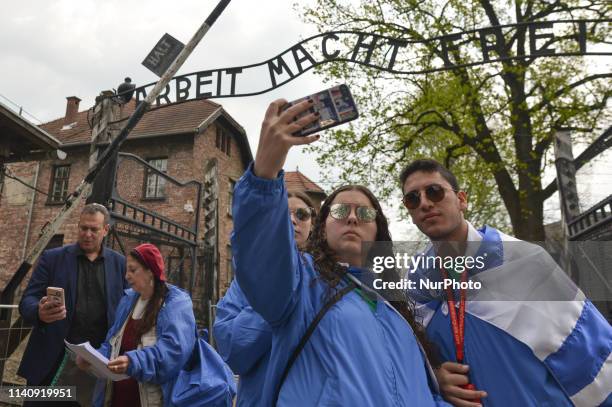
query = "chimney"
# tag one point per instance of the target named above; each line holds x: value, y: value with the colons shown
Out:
x: 72, y: 108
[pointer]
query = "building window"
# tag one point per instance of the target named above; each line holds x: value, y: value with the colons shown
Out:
x: 230, y: 200
x: 56, y: 241
x: 219, y: 139
x: 223, y: 141
x: 155, y: 185
x: 59, y: 184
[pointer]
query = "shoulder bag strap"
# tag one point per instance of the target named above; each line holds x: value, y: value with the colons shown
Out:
x: 311, y: 328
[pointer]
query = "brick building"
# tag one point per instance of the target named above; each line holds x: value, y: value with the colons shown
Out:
x: 295, y: 180
x: 170, y: 148
x: 180, y: 140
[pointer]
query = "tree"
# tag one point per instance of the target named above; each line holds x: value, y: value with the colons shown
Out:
x: 492, y: 124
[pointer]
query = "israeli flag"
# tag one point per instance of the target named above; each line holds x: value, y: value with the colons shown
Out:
x: 526, y: 295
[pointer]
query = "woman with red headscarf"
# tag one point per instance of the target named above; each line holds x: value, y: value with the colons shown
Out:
x: 152, y: 338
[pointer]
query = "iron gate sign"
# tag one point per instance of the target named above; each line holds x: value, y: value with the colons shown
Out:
x: 163, y: 54
x: 394, y: 55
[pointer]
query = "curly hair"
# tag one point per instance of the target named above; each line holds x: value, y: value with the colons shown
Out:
x: 331, y: 272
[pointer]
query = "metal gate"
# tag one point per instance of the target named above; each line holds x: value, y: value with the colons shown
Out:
x: 148, y: 205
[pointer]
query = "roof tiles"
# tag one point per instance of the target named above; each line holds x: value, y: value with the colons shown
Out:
x: 297, y: 180
x: 167, y: 119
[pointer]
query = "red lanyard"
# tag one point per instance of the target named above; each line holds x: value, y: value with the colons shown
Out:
x: 458, y: 322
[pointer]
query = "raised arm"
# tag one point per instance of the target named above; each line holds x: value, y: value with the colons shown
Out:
x: 243, y: 337
x: 265, y: 255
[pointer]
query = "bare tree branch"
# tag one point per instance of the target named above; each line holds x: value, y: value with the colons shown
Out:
x: 547, y: 101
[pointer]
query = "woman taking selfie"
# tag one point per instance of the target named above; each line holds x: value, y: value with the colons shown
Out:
x: 152, y: 337
x: 243, y: 337
x: 363, y: 352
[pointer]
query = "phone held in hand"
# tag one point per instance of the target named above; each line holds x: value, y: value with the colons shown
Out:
x: 335, y: 106
x: 55, y: 295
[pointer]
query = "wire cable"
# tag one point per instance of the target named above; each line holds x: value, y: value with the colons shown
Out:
x: 7, y: 174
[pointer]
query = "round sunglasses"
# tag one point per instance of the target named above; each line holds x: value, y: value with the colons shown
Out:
x: 302, y: 214
x: 433, y: 192
x: 341, y: 211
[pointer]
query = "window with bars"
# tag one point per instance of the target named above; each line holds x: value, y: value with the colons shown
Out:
x: 60, y: 175
x: 223, y: 141
x: 155, y: 185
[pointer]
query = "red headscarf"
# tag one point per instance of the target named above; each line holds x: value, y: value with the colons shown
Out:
x: 150, y: 255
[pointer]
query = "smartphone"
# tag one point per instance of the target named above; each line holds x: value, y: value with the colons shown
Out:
x: 55, y: 295
x: 335, y: 106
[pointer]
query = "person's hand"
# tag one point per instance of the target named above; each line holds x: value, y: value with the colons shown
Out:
x: 49, y: 311
x: 275, y: 139
x: 82, y: 363
x: 451, y: 376
x: 119, y: 365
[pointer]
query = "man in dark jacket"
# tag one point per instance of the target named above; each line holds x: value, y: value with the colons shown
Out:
x: 93, y: 279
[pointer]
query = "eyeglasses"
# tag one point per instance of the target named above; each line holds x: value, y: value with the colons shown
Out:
x: 433, y: 192
x: 92, y: 229
x: 302, y: 214
x: 341, y: 211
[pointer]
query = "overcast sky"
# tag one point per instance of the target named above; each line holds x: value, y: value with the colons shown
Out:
x: 56, y: 49
x: 60, y: 48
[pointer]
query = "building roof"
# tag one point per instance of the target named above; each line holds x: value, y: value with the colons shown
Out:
x: 298, y: 181
x: 179, y: 118
x: 21, y: 136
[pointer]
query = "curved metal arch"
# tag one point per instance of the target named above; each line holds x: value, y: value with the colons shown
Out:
x: 445, y: 67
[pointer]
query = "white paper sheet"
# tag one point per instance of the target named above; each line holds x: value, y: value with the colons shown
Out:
x: 98, y: 362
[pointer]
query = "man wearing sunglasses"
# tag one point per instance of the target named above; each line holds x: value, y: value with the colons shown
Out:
x: 526, y: 352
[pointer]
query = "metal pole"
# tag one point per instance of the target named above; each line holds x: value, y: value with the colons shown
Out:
x: 568, y: 195
x: 211, y: 317
x: 84, y: 187
x: 30, y: 213
x: 161, y: 84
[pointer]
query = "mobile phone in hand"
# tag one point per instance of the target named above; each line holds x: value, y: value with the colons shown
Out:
x: 334, y: 105
x: 55, y: 296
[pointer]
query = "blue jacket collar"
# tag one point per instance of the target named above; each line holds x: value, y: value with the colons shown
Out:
x: 491, y: 248
x: 73, y: 248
